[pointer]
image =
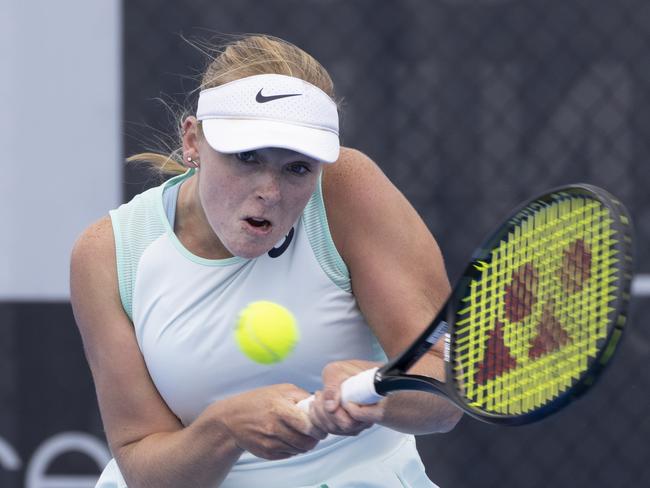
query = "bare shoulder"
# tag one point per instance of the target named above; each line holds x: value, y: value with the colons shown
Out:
x: 94, y: 250
x: 95, y: 241
x: 354, y: 170
x: 361, y: 202
x: 396, y: 268
x: 354, y: 190
x: 93, y: 274
x: 351, y: 161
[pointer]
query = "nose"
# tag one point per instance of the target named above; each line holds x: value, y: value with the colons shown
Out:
x: 268, y: 188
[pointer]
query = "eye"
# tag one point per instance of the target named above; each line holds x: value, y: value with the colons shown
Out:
x: 299, y: 168
x: 247, y: 156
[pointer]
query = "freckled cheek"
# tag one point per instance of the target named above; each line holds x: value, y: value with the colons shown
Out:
x: 295, y: 209
x: 220, y: 212
x: 301, y: 200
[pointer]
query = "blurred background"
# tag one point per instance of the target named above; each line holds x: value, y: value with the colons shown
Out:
x: 469, y: 106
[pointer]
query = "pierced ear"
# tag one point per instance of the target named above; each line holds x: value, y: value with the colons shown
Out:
x: 190, y: 162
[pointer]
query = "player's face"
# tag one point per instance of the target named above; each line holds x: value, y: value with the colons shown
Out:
x: 252, y: 199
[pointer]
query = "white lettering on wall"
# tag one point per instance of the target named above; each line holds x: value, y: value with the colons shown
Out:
x: 48, y: 451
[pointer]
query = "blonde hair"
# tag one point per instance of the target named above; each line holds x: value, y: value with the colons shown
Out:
x: 242, y: 57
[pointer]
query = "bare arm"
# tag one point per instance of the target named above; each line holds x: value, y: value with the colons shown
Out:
x: 399, y: 281
x: 151, y: 446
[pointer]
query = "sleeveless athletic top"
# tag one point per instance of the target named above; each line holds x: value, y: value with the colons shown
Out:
x: 184, y: 308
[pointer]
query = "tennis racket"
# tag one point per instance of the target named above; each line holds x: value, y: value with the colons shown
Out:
x: 535, y: 317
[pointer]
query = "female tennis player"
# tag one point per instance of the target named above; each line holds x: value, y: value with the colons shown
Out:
x: 265, y: 205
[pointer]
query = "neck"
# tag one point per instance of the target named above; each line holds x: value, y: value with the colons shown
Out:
x: 191, y: 225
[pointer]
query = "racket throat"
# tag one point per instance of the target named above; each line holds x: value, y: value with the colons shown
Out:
x: 388, y: 384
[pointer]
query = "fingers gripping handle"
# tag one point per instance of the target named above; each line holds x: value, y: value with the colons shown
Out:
x: 359, y: 388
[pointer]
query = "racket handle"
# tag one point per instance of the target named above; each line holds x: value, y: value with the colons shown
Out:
x: 305, y: 403
x: 359, y: 388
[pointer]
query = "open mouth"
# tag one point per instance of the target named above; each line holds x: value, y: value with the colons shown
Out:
x: 261, y: 224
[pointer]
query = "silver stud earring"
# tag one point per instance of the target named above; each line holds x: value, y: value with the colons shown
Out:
x: 194, y: 163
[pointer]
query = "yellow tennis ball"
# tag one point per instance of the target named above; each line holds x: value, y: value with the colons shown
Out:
x: 266, y: 332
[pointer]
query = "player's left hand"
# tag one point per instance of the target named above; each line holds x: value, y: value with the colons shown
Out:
x: 329, y: 414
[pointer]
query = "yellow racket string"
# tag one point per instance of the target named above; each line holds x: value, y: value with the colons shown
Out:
x: 539, y: 309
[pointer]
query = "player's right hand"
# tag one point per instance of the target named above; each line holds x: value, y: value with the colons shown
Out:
x: 266, y: 422
x: 327, y: 411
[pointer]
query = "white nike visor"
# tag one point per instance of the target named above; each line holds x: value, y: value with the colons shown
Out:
x: 270, y: 110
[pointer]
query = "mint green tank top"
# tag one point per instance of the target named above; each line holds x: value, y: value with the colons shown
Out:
x: 184, y: 308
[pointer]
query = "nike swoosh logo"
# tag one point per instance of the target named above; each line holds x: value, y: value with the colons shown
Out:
x: 276, y: 252
x: 262, y: 99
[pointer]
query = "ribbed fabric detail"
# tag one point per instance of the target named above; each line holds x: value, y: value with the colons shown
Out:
x: 136, y: 225
x: 318, y: 232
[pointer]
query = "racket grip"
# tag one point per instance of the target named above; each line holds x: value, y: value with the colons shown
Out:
x: 305, y: 403
x: 359, y: 388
